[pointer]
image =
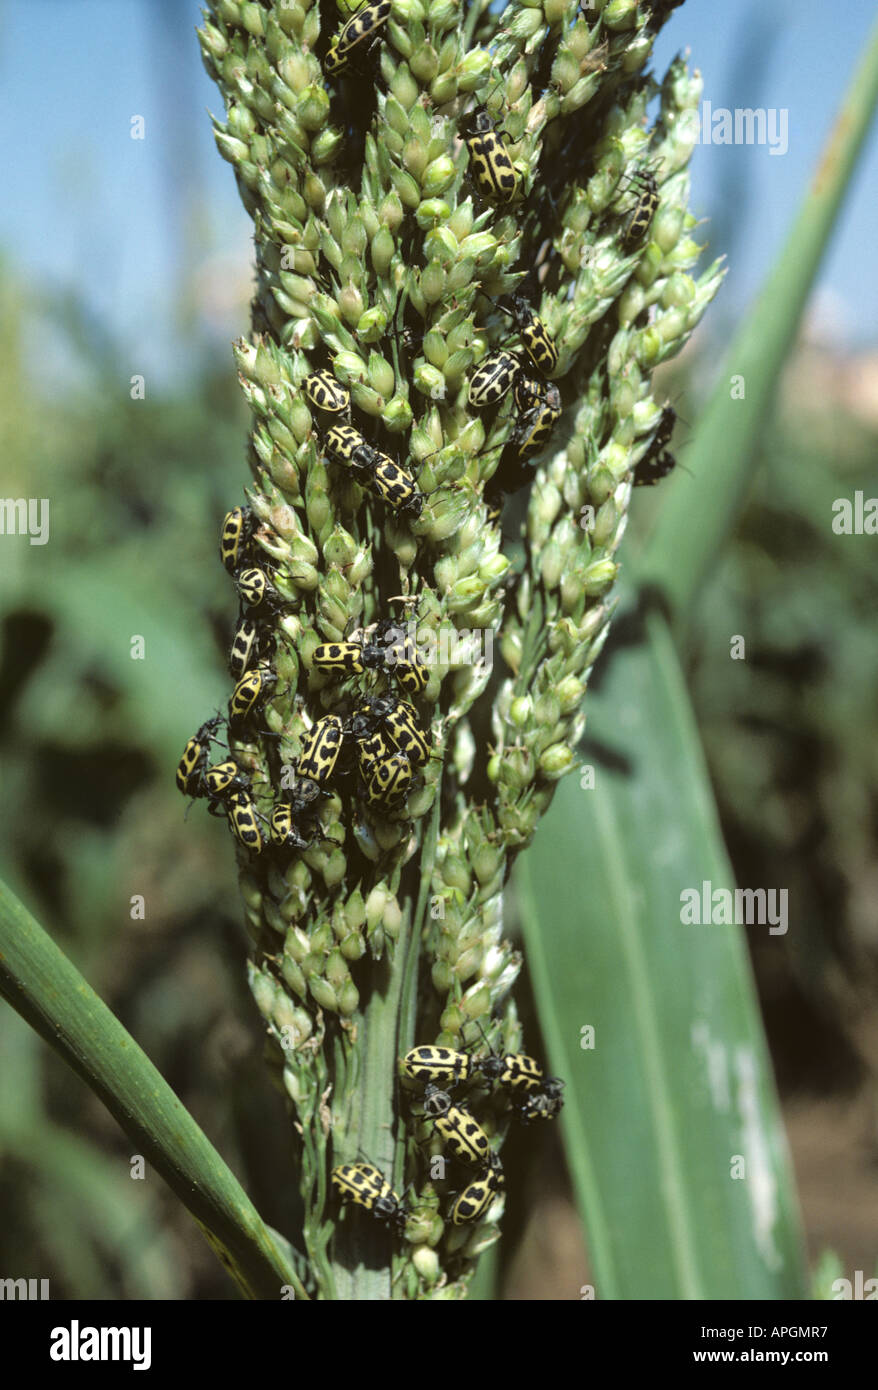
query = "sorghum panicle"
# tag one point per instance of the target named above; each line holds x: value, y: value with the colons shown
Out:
x: 454, y: 183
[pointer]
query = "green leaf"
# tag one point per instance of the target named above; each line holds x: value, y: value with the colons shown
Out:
x: 678, y: 1082
x: 41, y: 983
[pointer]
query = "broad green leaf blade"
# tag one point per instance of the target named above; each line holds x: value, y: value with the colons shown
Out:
x: 41, y: 983
x: 678, y: 1082
x: 723, y: 453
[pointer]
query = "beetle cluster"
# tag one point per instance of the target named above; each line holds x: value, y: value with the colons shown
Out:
x: 225, y: 784
x: 531, y: 1093
x: 381, y: 741
x: 538, y: 402
x: 523, y: 372
x: 490, y: 164
x: 441, y: 1071
x: 526, y: 371
x: 382, y: 737
x: 374, y: 470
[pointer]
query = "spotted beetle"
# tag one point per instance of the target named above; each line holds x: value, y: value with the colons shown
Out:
x: 242, y: 818
x: 327, y: 393
x: 493, y: 378
x: 398, y: 719
x: 492, y: 167
x: 538, y: 344
x: 544, y: 1103
x: 351, y: 657
x: 456, y: 1126
x: 346, y: 446
x: 221, y: 780
x: 394, y: 486
x: 474, y: 1201
x: 528, y: 393
x: 401, y: 724
x: 372, y: 751
x: 437, y: 1064
x: 533, y: 430
x: 288, y: 827
x: 650, y: 470
x: 244, y: 650
x: 284, y: 829
x: 644, y: 210
x: 390, y: 647
x: 363, y: 1185
x: 363, y: 25
x: 400, y: 658
x: 249, y: 693
x: 256, y: 593
x: 513, y: 1069
x: 235, y: 537
x: 190, y: 769
x: 411, y: 675
x: 321, y: 749
x: 376, y: 471
x: 369, y: 717
x: 293, y: 818
x: 389, y: 781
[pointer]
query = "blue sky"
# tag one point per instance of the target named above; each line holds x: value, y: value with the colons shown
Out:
x: 88, y: 206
